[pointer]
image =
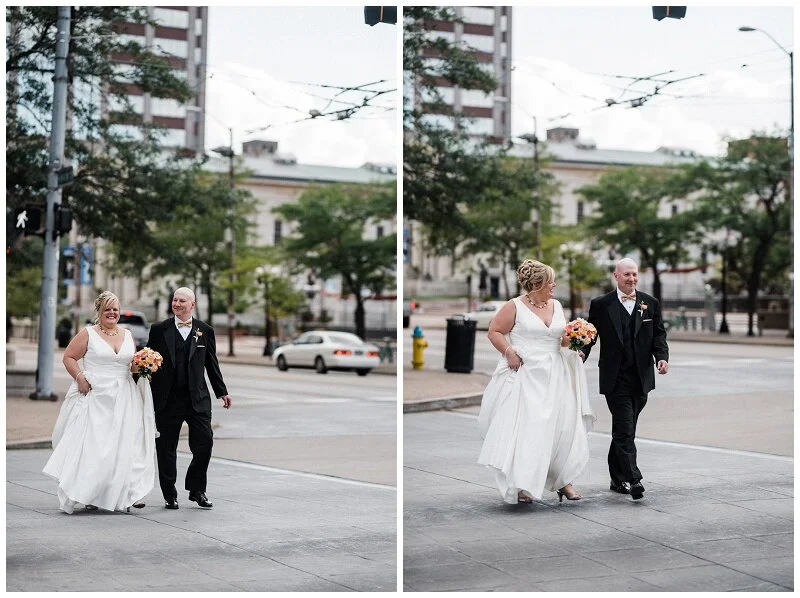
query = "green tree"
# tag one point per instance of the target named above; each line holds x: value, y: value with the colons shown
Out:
x: 501, y: 223
x: 123, y: 183
x: 328, y: 238
x: 746, y: 191
x: 24, y: 277
x: 630, y: 215
x: 443, y: 168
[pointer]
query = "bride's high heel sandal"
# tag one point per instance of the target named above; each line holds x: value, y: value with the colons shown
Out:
x: 522, y: 498
x: 136, y: 505
x: 562, y: 494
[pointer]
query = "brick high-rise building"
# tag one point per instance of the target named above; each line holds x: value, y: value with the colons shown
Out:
x: 487, y: 31
x: 181, y: 35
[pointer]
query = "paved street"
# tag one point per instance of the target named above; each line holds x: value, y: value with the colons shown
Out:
x: 711, y: 520
x: 303, y: 479
x: 715, y: 446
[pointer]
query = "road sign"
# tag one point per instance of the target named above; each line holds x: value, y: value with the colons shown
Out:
x: 65, y: 176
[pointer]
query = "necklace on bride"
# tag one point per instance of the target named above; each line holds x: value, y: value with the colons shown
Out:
x: 115, y: 333
x: 536, y: 305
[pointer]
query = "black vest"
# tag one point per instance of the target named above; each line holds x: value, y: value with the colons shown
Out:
x: 181, y: 361
x: 629, y: 359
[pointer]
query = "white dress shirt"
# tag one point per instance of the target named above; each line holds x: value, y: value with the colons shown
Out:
x: 627, y: 304
x: 184, y: 330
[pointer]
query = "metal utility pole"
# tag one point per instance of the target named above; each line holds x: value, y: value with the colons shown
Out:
x: 227, y: 152
x: 47, y: 307
x: 536, y: 192
x: 231, y: 316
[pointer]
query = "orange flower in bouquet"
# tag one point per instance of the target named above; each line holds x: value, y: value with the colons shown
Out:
x: 580, y: 333
x: 148, y: 361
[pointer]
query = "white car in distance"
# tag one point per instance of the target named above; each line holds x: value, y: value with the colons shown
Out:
x: 484, y: 313
x: 326, y: 350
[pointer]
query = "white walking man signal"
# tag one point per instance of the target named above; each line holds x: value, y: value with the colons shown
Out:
x: 22, y: 219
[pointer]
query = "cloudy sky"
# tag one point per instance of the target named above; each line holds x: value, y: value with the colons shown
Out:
x: 569, y: 60
x: 266, y: 64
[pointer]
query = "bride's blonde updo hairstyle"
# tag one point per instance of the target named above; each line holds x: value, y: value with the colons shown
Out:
x: 103, y: 300
x: 533, y: 275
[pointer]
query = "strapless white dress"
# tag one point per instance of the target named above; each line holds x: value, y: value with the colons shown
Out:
x: 104, y: 441
x: 535, y: 421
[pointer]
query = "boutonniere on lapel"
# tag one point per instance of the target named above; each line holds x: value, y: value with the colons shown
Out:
x: 197, y: 335
x: 642, y: 308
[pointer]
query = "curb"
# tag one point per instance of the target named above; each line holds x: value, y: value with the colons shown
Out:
x: 29, y: 444
x: 455, y: 402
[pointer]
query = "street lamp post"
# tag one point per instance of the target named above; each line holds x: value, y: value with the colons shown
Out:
x: 723, y: 327
x: 263, y: 278
x: 228, y: 152
x: 534, y: 140
x: 790, y: 182
x: 568, y: 251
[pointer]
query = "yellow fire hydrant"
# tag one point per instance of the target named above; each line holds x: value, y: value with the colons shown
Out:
x: 419, y: 344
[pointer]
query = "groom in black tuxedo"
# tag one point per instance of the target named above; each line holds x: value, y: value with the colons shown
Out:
x: 632, y: 338
x: 180, y: 394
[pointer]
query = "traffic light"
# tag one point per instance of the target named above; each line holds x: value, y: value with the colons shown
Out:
x: 671, y: 12
x: 380, y: 14
x: 63, y: 223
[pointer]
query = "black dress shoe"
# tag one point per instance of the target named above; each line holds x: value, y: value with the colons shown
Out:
x: 622, y: 487
x: 637, y: 490
x: 172, y: 503
x: 201, y: 499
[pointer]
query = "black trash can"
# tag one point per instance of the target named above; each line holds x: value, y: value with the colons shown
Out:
x: 64, y: 332
x: 459, y: 351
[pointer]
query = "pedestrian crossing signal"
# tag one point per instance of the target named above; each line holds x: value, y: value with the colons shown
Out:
x: 671, y: 12
x: 380, y: 14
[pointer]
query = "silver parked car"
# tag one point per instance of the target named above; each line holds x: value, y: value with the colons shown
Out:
x: 326, y: 350
x: 485, y: 313
x: 136, y: 322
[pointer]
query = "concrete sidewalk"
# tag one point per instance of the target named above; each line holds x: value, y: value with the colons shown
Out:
x: 710, y: 520
x: 270, y: 530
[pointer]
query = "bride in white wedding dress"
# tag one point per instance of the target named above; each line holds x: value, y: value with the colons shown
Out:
x: 104, y: 438
x: 535, y: 413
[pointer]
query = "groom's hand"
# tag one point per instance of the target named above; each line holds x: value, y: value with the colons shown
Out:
x: 662, y: 366
x: 226, y: 401
x: 581, y: 355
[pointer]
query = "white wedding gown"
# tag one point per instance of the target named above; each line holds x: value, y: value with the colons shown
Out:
x: 535, y: 421
x: 104, y: 441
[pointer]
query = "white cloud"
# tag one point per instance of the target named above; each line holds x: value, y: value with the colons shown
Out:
x: 722, y: 103
x: 245, y: 98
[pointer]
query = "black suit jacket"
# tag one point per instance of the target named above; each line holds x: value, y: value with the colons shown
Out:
x: 202, y: 356
x: 649, y: 338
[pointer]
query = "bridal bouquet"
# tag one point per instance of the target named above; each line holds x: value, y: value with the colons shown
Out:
x: 148, y: 361
x: 580, y: 333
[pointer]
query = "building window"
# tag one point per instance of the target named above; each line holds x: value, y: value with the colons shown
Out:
x: 278, y: 232
x: 119, y: 104
x: 172, y: 47
x: 126, y: 39
x: 168, y: 17
x: 198, y: 27
x: 131, y: 132
x: 482, y: 43
x: 476, y: 98
x: 379, y: 231
x: 171, y: 108
x: 480, y: 15
x: 173, y: 138
x: 480, y: 126
x: 198, y: 55
x: 124, y: 73
x: 580, y: 211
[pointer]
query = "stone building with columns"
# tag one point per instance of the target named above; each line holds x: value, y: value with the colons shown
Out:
x: 574, y: 162
x: 274, y: 179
